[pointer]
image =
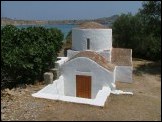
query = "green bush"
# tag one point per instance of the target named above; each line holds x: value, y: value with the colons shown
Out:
x: 69, y: 37
x: 141, y: 32
x: 28, y: 52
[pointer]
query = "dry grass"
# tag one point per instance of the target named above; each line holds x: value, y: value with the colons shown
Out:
x: 145, y: 104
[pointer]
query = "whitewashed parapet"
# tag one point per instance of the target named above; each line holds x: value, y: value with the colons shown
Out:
x: 61, y: 61
x: 106, y: 54
x: 124, y: 74
x: 71, y: 53
x: 58, y: 65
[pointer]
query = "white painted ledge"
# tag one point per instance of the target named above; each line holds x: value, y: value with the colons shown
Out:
x: 55, y: 92
x: 117, y: 92
x: 98, y: 101
x: 62, y: 60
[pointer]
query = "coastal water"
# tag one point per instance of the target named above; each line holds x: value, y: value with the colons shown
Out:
x: 65, y: 28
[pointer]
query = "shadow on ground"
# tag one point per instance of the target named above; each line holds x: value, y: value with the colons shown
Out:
x: 153, y: 68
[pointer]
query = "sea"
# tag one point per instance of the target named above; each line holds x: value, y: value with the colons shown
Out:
x: 65, y: 28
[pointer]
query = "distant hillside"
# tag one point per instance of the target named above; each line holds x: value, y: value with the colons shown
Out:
x: 6, y: 21
x: 104, y: 20
x: 107, y: 20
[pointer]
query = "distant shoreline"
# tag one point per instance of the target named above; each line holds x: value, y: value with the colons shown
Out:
x: 104, y: 20
x: 36, y: 24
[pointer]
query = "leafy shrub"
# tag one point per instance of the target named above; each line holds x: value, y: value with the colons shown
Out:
x: 141, y: 32
x: 28, y: 52
x: 69, y: 37
x: 68, y: 43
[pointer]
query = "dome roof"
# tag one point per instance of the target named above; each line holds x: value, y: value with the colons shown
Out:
x: 93, y: 25
x: 95, y: 57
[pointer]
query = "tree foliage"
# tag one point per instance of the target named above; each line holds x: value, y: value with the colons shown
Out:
x: 69, y: 37
x: 141, y: 32
x: 68, y: 43
x: 28, y: 52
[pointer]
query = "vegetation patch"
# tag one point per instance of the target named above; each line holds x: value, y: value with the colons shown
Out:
x: 28, y: 52
x: 140, y: 32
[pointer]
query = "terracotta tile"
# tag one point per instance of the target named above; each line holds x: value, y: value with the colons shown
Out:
x: 93, y: 25
x: 95, y: 57
x: 121, y: 57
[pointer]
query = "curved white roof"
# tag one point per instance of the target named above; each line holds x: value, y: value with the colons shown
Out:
x: 95, y: 57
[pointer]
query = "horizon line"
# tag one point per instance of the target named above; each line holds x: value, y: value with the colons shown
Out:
x: 57, y: 19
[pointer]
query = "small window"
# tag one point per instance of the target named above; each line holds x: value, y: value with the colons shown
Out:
x: 88, y: 43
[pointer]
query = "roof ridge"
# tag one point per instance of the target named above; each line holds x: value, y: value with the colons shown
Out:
x: 99, y: 59
x: 91, y: 24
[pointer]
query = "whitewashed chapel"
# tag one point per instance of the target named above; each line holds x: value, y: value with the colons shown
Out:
x: 92, y: 67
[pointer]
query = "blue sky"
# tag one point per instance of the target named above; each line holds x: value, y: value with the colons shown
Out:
x: 60, y: 10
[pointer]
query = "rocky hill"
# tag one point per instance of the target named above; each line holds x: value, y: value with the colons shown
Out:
x: 104, y: 20
x: 6, y: 21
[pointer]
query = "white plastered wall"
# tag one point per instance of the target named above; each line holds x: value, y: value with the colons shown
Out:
x: 106, y: 54
x: 85, y: 66
x: 124, y: 74
x: 71, y: 53
x: 100, y: 39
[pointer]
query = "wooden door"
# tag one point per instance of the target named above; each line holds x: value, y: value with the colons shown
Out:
x: 83, y: 86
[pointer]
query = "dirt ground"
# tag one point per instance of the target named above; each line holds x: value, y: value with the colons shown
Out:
x: 145, y: 104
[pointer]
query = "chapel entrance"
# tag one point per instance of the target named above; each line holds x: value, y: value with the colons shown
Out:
x: 83, y: 86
